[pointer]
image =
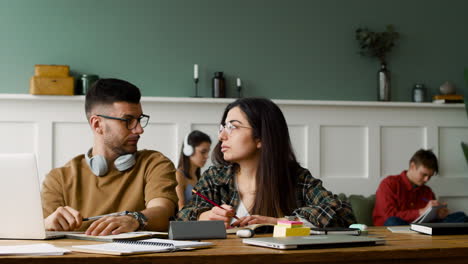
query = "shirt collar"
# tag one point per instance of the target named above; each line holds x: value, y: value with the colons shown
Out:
x: 409, y: 186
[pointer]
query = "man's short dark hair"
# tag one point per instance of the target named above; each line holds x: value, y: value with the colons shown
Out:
x: 427, y: 158
x: 109, y: 91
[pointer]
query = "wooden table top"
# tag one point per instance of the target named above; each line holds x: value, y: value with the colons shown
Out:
x: 399, y: 248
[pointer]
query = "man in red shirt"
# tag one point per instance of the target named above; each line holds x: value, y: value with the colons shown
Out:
x: 400, y: 199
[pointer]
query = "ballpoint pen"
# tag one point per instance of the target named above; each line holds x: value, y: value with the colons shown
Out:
x: 101, y: 216
x: 211, y: 202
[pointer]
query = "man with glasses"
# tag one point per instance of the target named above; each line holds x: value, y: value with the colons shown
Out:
x: 125, y: 188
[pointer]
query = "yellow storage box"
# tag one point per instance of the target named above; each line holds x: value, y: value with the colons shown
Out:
x: 52, y: 86
x: 51, y: 70
x: 52, y: 80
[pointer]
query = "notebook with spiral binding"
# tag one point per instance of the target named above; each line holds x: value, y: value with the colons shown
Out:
x: 138, y: 235
x: 153, y: 245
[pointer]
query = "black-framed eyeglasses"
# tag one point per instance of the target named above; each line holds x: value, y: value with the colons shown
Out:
x: 132, y: 122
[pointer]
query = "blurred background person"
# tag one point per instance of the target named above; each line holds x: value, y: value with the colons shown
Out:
x: 193, y: 156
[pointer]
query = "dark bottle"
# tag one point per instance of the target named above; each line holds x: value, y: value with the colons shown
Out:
x: 219, y: 85
x: 383, y: 92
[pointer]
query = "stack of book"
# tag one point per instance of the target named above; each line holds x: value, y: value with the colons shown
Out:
x: 441, y: 228
x: 447, y: 98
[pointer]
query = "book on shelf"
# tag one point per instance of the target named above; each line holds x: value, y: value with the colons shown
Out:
x: 429, y: 215
x: 441, y: 228
x: 123, y: 236
x: 129, y: 247
x: 447, y: 101
x: 447, y: 98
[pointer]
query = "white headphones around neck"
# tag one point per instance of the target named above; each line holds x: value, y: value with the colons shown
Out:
x: 188, y: 149
x: 98, y: 163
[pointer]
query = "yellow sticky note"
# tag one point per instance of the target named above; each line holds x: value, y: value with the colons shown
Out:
x: 283, y: 231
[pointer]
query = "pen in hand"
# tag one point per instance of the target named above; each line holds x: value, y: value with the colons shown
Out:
x: 211, y: 202
x: 101, y: 216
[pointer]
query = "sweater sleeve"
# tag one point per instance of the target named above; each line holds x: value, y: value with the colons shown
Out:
x: 51, y: 193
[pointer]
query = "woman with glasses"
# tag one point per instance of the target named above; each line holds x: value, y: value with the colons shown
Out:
x: 257, y: 179
x: 193, y: 155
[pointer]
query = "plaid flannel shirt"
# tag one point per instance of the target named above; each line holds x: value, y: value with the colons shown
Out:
x: 314, y: 203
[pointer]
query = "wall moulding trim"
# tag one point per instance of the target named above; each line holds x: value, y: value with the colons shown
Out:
x: 351, y: 146
x: 228, y: 100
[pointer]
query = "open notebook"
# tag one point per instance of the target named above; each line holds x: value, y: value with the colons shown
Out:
x: 153, y: 245
x: 257, y: 228
x: 42, y: 249
x: 137, y: 235
x: 429, y: 215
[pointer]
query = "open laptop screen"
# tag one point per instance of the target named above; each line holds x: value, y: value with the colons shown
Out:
x: 20, y: 198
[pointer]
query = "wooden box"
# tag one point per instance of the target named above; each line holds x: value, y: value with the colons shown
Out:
x: 52, y: 85
x: 51, y: 70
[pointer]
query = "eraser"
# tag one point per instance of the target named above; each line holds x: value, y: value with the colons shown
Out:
x: 361, y: 227
x: 245, y: 233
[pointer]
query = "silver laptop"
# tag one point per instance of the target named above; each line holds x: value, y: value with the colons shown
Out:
x: 314, y: 241
x: 20, y: 199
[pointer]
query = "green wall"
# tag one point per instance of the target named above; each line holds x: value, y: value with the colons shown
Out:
x: 303, y: 49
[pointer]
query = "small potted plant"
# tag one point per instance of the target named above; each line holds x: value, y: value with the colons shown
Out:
x: 378, y: 44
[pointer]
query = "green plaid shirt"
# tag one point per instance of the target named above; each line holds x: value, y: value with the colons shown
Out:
x: 314, y: 203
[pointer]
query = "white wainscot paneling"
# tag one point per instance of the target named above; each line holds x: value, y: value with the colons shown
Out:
x: 343, y: 152
x: 70, y: 140
x: 298, y: 135
x: 455, y: 204
x: 398, y: 144
x: 349, y: 145
x: 161, y: 137
x: 451, y: 158
x: 18, y: 137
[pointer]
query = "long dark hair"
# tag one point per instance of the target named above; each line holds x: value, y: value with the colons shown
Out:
x: 194, y: 139
x: 276, y: 177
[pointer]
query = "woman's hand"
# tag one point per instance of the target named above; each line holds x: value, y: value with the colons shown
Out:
x: 224, y: 214
x: 255, y: 219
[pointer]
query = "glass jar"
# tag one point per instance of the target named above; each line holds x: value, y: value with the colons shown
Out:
x: 87, y: 80
x: 419, y: 93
